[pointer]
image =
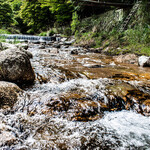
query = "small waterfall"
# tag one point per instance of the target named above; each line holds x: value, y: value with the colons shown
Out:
x: 28, y: 38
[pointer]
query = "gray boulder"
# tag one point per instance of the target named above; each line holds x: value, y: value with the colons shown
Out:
x: 9, y: 93
x: 15, y: 66
x: 144, y: 61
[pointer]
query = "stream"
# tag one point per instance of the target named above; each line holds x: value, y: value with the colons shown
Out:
x: 79, y: 101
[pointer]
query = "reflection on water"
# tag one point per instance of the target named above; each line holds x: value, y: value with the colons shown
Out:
x: 83, y: 101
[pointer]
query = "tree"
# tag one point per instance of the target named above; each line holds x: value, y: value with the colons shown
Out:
x: 6, y: 17
x: 36, y: 16
x: 62, y: 10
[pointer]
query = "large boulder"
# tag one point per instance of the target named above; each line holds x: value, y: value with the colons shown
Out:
x: 15, y: 66
x: 144, y: 61
x: 9, y: 93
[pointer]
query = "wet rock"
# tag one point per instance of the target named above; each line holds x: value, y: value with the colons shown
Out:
x: 63, y: 39
x: 42, y: 46
x: 56, y: 45
x: 126, y: 76
x: 35, y: 42
x: 68, y: 74
x: 74, y: 52
x: 95, y: 50
x: 27, y: 53
x: 53, y: 38
x: 9, y: 93
x: 15, y: 66
x: 144, y: 61
x: 9, y: 46
x: 69, y: 42
x: 128, y: 58
x: 77, y: 107
x: 88, y: 110
x: 24, y: 46
x: 96, y: 66
x: 125, y: 96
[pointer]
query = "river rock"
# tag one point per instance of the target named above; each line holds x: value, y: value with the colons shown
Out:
x: 9, y: 46
x: 125, y: 96
x: 128, y: 58
x: 144, y: 61
x: 63, y: 39
x: 74, y: 52
x: 69, y: 42
x: 9, y: 93
x: 57, y: 45
x: 22, y: 46
x: 41, y: 46
x: 15, y: 66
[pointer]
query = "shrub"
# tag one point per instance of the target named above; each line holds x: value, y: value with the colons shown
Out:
x: 43, y: 34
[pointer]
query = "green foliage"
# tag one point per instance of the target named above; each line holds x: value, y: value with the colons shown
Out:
x: 43, y: 34
x: 62, y: 10
x: 36, y: 16
x: 141, y: 35
x: 75, y: 22
x: 145, y: 50
x: 6, y: 17
x: 52, y: 31
x: 16, y: 4
x: 4, y: 31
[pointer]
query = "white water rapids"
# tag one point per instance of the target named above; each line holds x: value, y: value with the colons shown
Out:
x: 30, y: 127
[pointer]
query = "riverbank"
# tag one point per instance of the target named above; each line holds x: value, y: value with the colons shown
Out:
x: 103, y: 32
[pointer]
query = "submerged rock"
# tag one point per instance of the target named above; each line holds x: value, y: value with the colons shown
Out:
x: 9, y: 93
x: 15, y: 66
x: 125, y: 96
x: 144, y: 61
x: 77, y: 107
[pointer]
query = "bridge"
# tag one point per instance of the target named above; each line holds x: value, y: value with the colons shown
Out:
x: 101, y: 3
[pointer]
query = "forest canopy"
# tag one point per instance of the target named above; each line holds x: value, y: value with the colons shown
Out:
x: 35, y: 16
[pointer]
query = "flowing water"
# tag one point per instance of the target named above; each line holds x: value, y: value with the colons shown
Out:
x: 69, y: 108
